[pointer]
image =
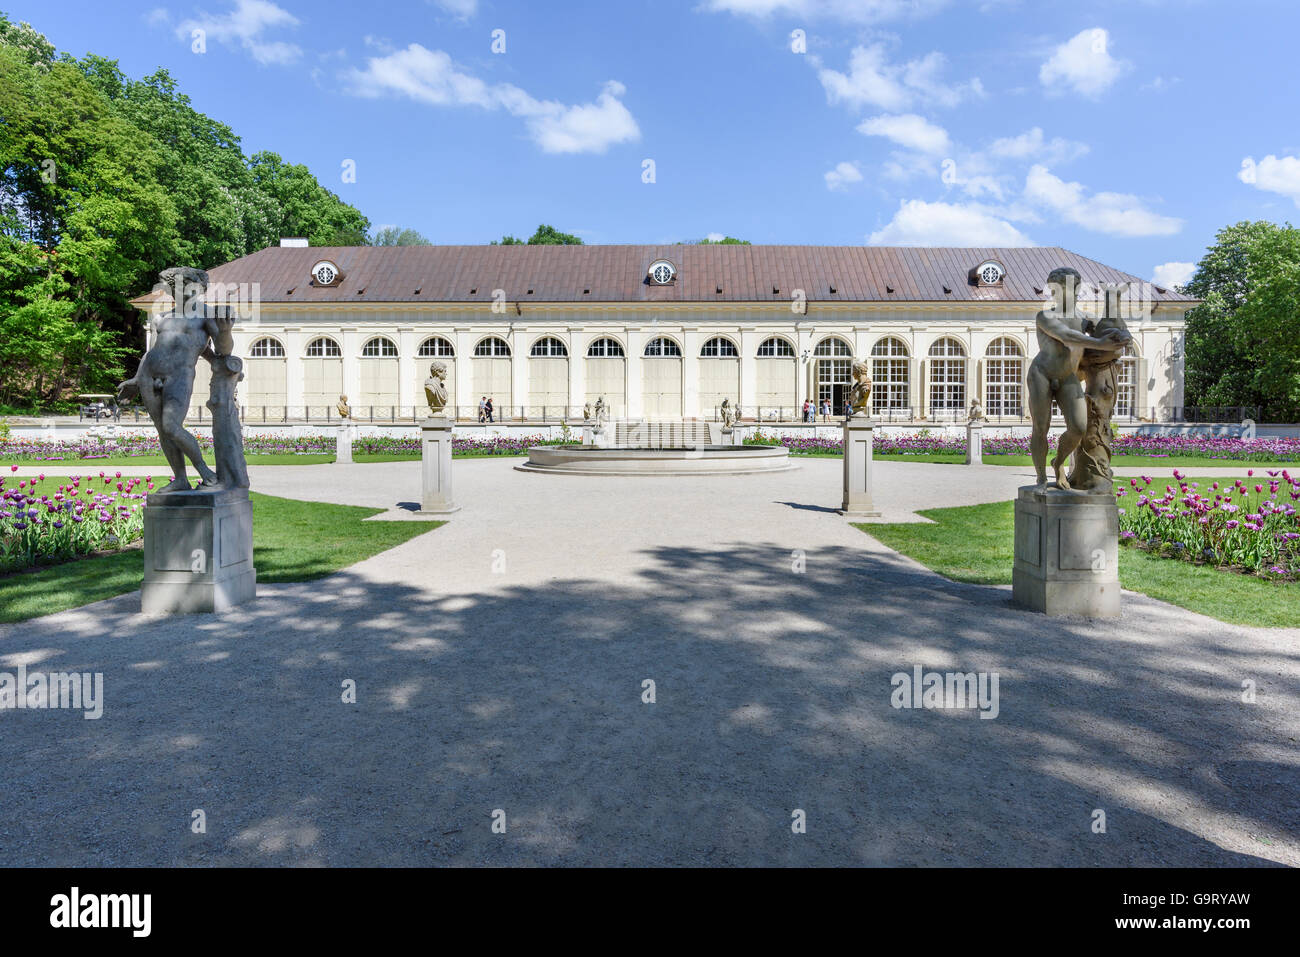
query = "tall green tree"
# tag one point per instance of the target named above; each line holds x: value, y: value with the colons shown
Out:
x: 83, y: 219
x: 1243, y: 341
x: 301, y: 206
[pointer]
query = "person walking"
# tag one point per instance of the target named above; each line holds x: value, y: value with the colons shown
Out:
x: 487, y: 407
x: 806, y: 406
x: 482, y: 403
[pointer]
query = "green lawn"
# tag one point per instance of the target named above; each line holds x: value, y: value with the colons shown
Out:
x: 292, y: 542
x: 974, y: 544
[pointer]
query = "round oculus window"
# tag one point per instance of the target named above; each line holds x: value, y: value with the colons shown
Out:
x: 990, y: 274
x: 662, y: 272
x: 325, y: 273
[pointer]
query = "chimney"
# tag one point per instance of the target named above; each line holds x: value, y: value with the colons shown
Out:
x: 294, y: 241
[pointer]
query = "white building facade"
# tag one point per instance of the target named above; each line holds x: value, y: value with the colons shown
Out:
x: 656, y: 356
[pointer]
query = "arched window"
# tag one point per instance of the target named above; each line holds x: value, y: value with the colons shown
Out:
x: 1126, y: 376
x: 889, y: 375
x: 663, y: 347
x: 718, y: 347
x: 775, y: 347
x: 436, y: 347
x: 323, y: 348
x: 492, y: 346
x: 1004, y: 376
x: 833, y: 347
x: 947, y: 376
x: 266, y: 348
x: 549, y: 346
x: 379, y: 348
x: 605, y: 349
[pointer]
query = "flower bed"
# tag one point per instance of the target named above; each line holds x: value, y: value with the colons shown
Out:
x: 41, y: 524
x: 1250, y: 526
x: 133, y: 446
x: 1211, y: 448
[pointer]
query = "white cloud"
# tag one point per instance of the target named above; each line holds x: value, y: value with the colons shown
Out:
x: 842, y: 175
x: 908, y: 130
x: 1033, y: 145
x: 1083, y: 64
x: 850, y: 11
x: 460, y: 8
x: 244, y: 26
x: 1169, y: 275
x: 873, y: 81
x: 1273, y: 175
x: 157, y: 16
x: 918, y: 223
x: 429, y: 76
x: 1117, y: 214
x: 715, y: 237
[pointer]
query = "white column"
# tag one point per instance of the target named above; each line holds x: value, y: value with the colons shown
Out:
x: 578, y: 342
x: 635, y: 346
x: 749, y: 340
x: 692, y: 341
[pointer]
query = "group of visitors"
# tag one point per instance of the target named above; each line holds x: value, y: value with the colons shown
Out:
x: 810, y: 410
x: 485, y: 409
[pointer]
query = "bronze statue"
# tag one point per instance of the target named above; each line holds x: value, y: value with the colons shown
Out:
x: 165, y: 380
x: 860, y: 393
x: 1063, y: 341
x: 435, y: 387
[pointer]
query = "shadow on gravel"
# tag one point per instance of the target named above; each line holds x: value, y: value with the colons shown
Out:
x: 772, y: 694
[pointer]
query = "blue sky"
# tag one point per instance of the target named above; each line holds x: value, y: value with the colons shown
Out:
x: 1127, y: 131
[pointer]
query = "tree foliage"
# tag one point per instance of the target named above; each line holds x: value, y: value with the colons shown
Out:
x: 544, y: 236
x: 1243, y: 341
x: 397, y: 236
x: 105, y: 181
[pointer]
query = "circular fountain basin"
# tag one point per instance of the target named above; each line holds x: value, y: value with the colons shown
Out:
x: 700, y: 460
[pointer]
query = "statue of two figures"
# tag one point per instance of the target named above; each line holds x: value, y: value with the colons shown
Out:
x: 164, y: 382
x: 730, y: 414
x: 1074, y: 350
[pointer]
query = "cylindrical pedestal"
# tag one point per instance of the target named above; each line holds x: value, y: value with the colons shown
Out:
x: 974, y: 443
x: 198, y: 552
x: 858, y: 442
x: 343, y: 444
x: 435, y: 467
x: 1067, y: 552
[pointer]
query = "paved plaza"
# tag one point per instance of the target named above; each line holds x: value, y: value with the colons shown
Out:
x: 499, y: 663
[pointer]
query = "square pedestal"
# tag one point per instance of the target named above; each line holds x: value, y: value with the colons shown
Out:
x: 974, y: 444
x: 343, y: 444
x: 1067, y: 552
x: 435, y: 467
x: 198, y: 552
x: 858, y: 443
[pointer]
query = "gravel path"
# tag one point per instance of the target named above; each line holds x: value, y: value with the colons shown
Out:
x: 499, y: 663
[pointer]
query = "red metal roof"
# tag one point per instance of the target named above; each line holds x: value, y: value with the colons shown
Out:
x: 469, y: 274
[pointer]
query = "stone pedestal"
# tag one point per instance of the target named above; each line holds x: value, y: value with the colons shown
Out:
x: 600, y: 437
x: 975, y: 443
x: 729, y: 436
x: 586, y: 435
x: 343, y: 444
x: 198, y: 552
x: 435, y: 467
x: 1067, y: 552
x: 858, y: 442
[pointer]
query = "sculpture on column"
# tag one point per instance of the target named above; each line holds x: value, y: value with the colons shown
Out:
x: 435, y: 388
x: 345, y: 410
x: 1063, y: 340
x: 586, y: 412
x: 728, y: 414
x: 1091, y: 471
x: 164, y: 382
x: 860, y: 393
x: 976, y: 411
x: 601, y: 413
